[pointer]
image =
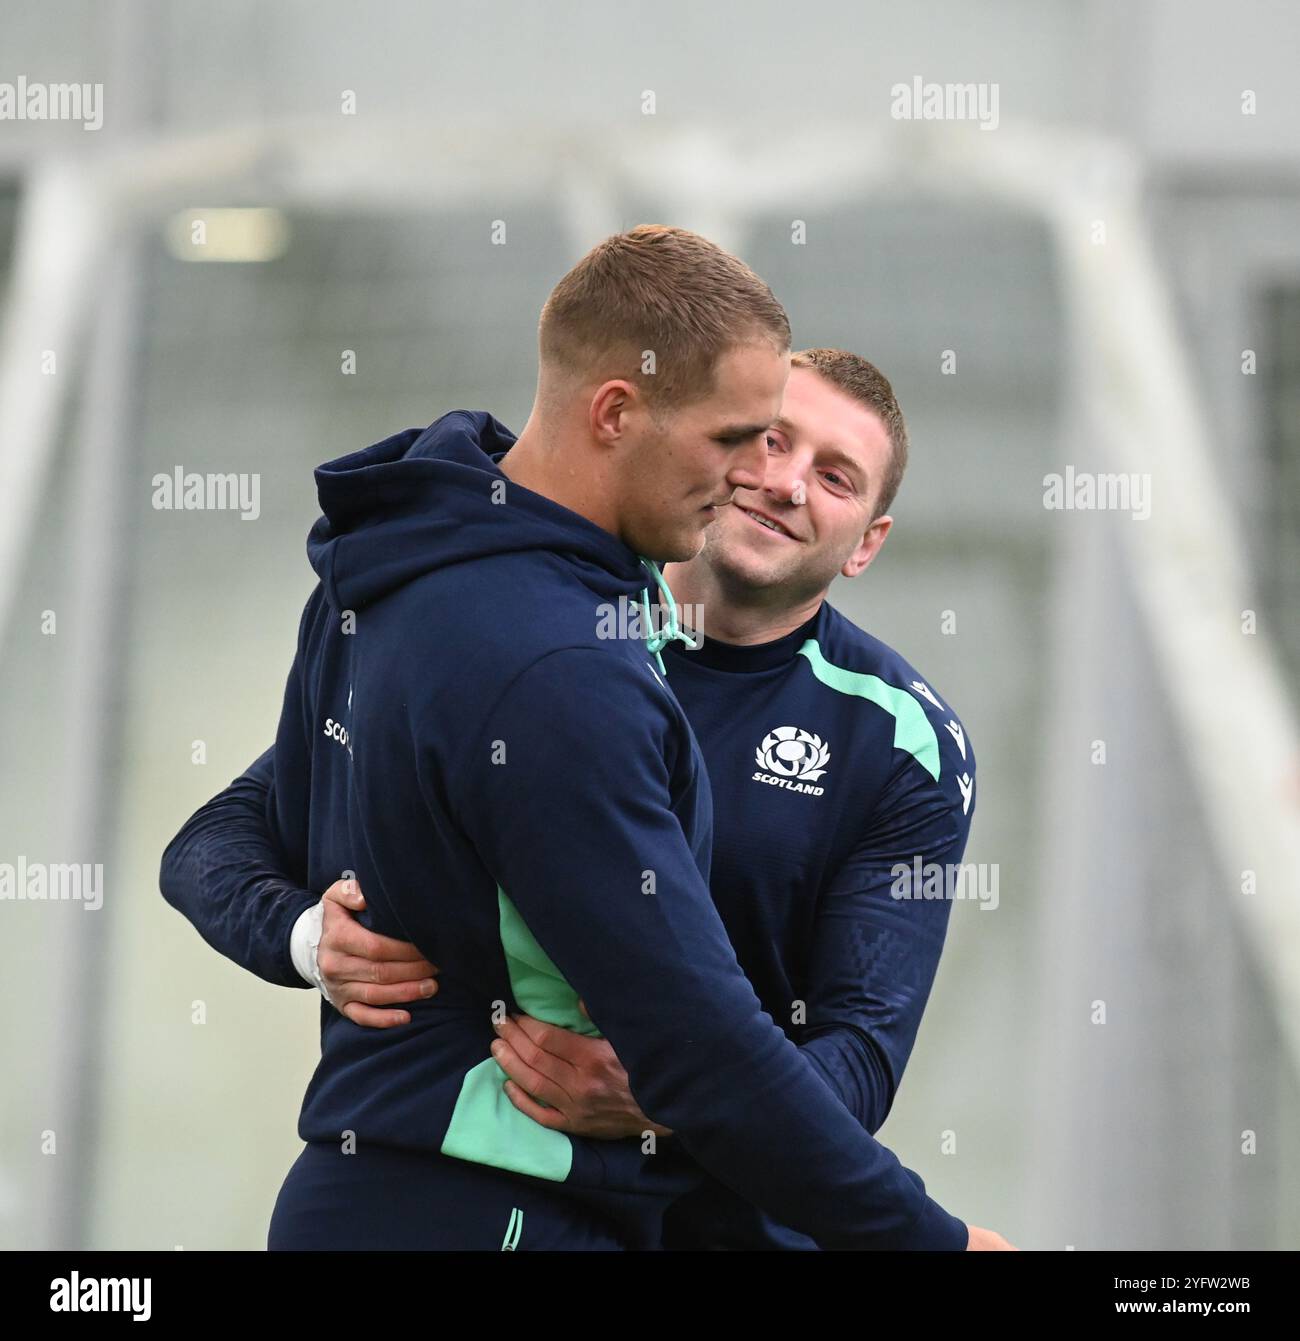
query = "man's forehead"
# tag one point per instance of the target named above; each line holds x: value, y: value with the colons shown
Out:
x: 862, y: 439
x: 844, y: 424
x: 749, y: 402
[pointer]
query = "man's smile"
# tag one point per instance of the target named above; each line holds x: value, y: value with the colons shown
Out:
x: 767, y: 522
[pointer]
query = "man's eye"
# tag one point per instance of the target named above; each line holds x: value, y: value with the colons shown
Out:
x: 837, y: 480
x: 773, y: 442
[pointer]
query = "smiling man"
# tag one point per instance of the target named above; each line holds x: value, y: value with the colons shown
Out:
x: 526, y: 802
x: 833, y: 764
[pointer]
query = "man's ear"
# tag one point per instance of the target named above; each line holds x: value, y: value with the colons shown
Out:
x: 608, y: 410
x: 873, y: 538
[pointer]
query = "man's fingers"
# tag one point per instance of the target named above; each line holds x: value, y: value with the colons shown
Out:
x: 336, y: 967
x: 545, y: 1047
x: 546, y: 1117
x: 378, y: 994
x: 526, y: 1077
x: 374, y: 1019
x: 354, y: 939
x: 346, y: 892
x: 341, y: 933
x: 400, y: 970
x: 363, y: 970
x: 561, y: 1043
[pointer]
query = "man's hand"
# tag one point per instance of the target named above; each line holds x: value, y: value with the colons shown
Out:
x: 986, y: 1241
x: 579, y: 1079
x: 363, y: 970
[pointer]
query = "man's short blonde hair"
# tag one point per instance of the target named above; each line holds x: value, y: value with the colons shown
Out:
x: 657, y: 298
x: 865, y: 383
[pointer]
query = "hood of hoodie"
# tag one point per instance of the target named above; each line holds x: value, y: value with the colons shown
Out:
x: 425, y: 498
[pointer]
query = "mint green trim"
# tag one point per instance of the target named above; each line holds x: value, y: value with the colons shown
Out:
x: 537, y: 984
x: 513, y: 1231
x: 912, y: 729
x: 656, y: 642
x: 485, y: 1127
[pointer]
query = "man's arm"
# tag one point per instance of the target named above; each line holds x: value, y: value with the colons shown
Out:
x: 227, y: 875
x: 874, y: 954
x: 566, y: 796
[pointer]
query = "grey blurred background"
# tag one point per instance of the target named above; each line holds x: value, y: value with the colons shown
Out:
x: 1173, y: 1123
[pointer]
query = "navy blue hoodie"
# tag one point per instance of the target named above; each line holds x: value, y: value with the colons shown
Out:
x: 522, y: 797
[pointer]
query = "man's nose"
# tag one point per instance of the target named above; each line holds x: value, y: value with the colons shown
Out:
x: 748, y: 465
x: 784, y: 480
